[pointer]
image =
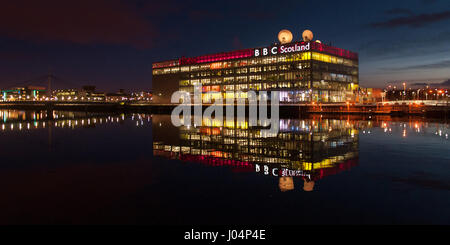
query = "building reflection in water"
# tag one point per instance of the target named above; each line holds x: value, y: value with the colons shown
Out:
x: 304, y: 151
x: 17, y: 120
x: 308, y: 149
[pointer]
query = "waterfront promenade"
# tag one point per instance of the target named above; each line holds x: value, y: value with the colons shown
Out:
x: 425, y: 108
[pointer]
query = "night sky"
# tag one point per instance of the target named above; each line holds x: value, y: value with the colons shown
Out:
x: 112, y: 43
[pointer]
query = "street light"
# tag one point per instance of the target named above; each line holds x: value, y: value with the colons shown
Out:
x: 404, y: 91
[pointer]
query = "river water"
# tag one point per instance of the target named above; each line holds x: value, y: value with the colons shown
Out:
x: 115, y: 168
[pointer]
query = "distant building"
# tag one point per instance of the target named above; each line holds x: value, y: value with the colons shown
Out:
x: 88, y: 88
x: 23, y: 93
x: 66, y: 94
x: 119, y: 96
x: 425, y: 93
x: 371, y: 95
x: 142, y: 96
x: 97, y: 96
x: 87, y: 93
x: 122, y: 96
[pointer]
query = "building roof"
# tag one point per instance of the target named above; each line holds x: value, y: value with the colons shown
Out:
x: 244, y: 53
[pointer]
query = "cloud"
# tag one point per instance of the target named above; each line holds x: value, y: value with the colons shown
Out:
x: 413, y: 20
x: 436, y: 65
x: 403, y: 47
x: 419, y: 84
x: 83, y: 22
x: 442, y: 84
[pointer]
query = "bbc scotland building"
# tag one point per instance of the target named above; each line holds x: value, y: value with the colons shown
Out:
x: 303, y: 71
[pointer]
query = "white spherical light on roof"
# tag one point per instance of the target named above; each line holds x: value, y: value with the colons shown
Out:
x: 285, y: 36
x: 307, y: 35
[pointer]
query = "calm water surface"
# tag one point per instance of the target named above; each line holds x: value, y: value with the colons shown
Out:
x: 96, y: 168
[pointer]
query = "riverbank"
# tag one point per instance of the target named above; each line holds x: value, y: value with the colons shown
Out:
x: 284, y: 109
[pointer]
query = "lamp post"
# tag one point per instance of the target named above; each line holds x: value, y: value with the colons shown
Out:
x: 404, y: 91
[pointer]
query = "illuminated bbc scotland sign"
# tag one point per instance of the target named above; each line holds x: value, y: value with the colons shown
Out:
x: 283, y: 49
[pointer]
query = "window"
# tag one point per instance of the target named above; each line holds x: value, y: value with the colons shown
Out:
x: 255, y: 78
x: 228, y: 87
x: 184, y: 83
x: 241, y: 87
x: 255, y: 69
x: 241, y: 79
x: 228, y: 79
x: 241, y: 70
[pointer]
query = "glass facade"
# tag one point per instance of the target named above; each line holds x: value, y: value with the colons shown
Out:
x: 307, y: 76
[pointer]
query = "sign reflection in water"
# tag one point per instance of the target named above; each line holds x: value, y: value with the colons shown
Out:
x: 308, y: 150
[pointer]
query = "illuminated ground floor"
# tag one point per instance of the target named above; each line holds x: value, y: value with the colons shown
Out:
x: 285, y: 96
x: 290, y: 91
